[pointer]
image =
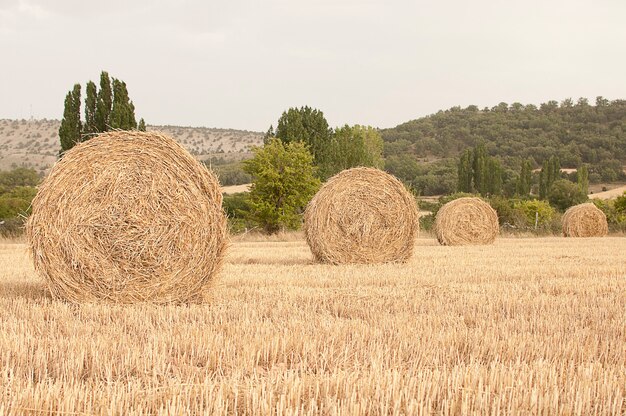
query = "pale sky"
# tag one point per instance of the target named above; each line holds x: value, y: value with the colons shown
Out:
x: 240, y: 63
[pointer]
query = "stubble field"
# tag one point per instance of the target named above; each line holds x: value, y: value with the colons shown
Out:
x: 528, y: 326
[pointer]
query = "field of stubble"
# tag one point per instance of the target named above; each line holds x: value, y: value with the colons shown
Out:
x: 528, y: 326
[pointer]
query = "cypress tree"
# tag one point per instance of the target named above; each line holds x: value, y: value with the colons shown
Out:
x: 478, y: 167
x: 544, y: 180
x: 70, y: 129
x: 91, y: 101
x: 105, y: 101
x: 142, y: 125
x: 122, y: 111
x: 583, y: 178
x: 464, y: 183
x: 524, y: 182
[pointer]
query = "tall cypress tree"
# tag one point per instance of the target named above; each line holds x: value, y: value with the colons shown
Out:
x: 91, y: 101
x: 493, y: 177
x: 105, y: 101
x: 524, y: 182
x: 465, y: 172
x: 105, y: 109
x: 70, y: 129
x: 583, y: 178
x: 479, y: 167
x: 122, y: 111
x: 544, y: 180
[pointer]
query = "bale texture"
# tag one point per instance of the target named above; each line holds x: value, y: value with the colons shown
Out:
x: 128, y: 217
x: 584, y: 220
x: 466, y: 221
x: 361, y: 215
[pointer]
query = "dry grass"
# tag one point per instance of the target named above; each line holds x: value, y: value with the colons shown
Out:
x: 527, y: 326
x: 35, y: 143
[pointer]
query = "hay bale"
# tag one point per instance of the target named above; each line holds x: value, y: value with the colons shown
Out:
x: 128, y: 217
x: 584, y: 220
x: 466, y: 221
x: 361, y: 215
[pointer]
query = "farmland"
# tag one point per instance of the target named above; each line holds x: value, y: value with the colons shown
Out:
x: 527, y: 326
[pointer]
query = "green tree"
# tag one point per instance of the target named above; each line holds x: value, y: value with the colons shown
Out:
x: 583, y: 178
x: 524, y: 182
x: 465, y: 172
x: 142, y: 125
x: 122, y: 111
x: 110, y: 108
x: 104, y: 103
x: 307, y: 125
x: 479, y: 168
x: 71, y: 126
x: 283, y: 182
x: 564, y: 194
x: 91, y: 101
x: 492, y: 177
x: 620, y: 204
x: 550, y: 172
x: 535, y: 212
x: 350, y: 147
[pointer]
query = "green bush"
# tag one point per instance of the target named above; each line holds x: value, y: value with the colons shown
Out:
x: 427, y: 222
x: 564, y: 194
x: 283, y: 183
x: 615, y: 216
x: 536, y: 211
x: 620, y: 204
x: 508, y: 215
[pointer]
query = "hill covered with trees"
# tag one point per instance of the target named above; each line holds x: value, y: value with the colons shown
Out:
x: 425, y: 152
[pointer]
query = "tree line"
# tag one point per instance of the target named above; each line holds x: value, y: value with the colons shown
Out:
x: 578, y: 133
x: 108, y: 108
x: 286, y: 172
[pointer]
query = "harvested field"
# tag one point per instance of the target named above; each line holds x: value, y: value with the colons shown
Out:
x: 526, y: 326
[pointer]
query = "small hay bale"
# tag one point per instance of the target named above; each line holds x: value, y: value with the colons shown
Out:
x: 361, y: 215
x: 128, y: 217
x: 584, y: 220
x: 466, y: 221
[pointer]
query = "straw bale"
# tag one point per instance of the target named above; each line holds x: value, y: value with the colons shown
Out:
x: 128, y: 217
x: 466, y: 221
x: 584, y: 220
x: 361, y: 215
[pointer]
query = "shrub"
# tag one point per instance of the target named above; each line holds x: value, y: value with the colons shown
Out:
x: 536, y: 211
x: 565, y: 194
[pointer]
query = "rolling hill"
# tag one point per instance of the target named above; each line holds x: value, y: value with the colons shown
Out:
x: 35, y: 143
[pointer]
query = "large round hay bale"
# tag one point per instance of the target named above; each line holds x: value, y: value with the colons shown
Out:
x: 128, y: 217
x: 466, y: 221
x: 361, y: 215
x: 584, y: 220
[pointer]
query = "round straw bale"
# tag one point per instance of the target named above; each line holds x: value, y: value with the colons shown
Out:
x: 584, y: 220
x: 466, y: 221
x: 128, y: 217
x: 361, y: 215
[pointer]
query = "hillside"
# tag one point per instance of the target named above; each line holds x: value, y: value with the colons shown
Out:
x: 575, y: 132
x: 35, y: 143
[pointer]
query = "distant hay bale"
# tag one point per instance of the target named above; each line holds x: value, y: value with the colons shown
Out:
x: 128, y: 217
x: 361, y: 215
x: 466, y: 221
x: 584, y: 220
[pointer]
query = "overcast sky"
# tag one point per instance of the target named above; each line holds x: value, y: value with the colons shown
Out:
x: 240, y: 63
